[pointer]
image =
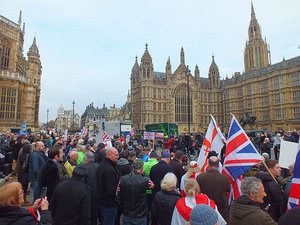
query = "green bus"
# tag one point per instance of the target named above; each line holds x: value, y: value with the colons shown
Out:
x: 170, y: 129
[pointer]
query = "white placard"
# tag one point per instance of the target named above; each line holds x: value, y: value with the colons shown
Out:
x: 288, y: 152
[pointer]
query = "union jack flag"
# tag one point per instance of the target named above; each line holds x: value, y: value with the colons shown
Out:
x: 240, y: 156
x: 294, y: 197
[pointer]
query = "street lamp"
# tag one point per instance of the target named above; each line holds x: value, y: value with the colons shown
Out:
x: 188, y: 73
x: 73, y: 122
x: 47, y: 117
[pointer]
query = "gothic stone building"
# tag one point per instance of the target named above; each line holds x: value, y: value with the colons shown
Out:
x: 20, y: 78
x: 269, y: 92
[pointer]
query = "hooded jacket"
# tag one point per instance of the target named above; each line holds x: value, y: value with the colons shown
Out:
x: 14, y: 215
x: 247, y: 212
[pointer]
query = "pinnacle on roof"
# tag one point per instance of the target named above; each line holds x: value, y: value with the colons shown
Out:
x: 33, y: 50
x: 146, y: 55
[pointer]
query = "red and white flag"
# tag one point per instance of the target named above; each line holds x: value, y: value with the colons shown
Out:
x: 213, y: 141
x: 106, y: 139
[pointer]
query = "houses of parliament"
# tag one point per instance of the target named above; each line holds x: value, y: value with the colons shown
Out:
x: 268, y: 92
x: 20, y: 78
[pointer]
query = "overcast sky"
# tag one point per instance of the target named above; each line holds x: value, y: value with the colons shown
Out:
x: 88, y: 47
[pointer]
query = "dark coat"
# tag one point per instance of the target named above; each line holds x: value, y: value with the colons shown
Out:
x: 178, y: 169
x: 216, y: 186
x: 274, y: 195
x: 133, y: 195
x: 14, y: 215
x: 36, y: 160
x: 244, y: 211
x: 157, y: 173
x: 163, y: 207
x: 71, y: 203
x: 92, y: 183
x: 107, y: 182
x: 23, y: 161
x: 48, y: 177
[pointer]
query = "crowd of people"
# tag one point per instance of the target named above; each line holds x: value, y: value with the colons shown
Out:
x: 75, y: 180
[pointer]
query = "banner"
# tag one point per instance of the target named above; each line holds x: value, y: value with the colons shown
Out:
x: 288, y: 152
x: 148, y: 135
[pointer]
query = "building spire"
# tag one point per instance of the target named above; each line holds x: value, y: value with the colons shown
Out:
x: 33, y: 50
x: 252, y: 12
x: 182, y: 61
x: 20, y: 18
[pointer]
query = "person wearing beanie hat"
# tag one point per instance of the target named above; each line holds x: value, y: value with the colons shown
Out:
x: 123, y: 167
x: 76, y: 195
x: 292, y: 217
x: 203, y: 215
x: 132, y: 193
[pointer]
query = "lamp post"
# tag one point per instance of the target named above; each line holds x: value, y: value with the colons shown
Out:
x: 73, y: 122
x: 188, y: 73
x: 47, y: 118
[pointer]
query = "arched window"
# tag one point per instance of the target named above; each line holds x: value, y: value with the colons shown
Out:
x: 182, y: 103
x: 5, y: 54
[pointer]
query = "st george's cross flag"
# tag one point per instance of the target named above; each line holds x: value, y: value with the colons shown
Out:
x: 213, y: 141
x: 294, y: 197
x: 240, y: 156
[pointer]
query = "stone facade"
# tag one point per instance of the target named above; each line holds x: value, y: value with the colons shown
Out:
x: 20, y: 78
x: 271, y: 93
x: 67, y: 119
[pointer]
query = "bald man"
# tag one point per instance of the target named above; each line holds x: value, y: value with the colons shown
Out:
x: 216, y: 186
x: 107, y: 182
x: 71, y: 162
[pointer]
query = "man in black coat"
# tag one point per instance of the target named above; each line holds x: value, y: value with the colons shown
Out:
x: 107, y: 182
x: 175, y: 163
x: 272, y: 202
x: 71, y: 202
x: 133, y: 195
x: 48, y: 175
x: 159, y: 170
x: 92, y: 166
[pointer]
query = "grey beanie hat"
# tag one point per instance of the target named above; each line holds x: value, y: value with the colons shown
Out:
x: 122, y: 162
x: 203, y: 215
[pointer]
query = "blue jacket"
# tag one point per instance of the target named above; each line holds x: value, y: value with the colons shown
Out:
x: 36, y: 160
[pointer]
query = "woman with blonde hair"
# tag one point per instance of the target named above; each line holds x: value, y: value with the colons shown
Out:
x: 165, y: 200
x: 192, y: 173
x: 11, y: 212
x: 184, y: 206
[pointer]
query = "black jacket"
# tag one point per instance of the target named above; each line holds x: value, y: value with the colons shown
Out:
x: 274, y: 195
x: 107, y: 182
x: 14, y: 215
x: 71, y: 203
x: 133, y: 188
x: 48, y: 177
x: 157, y: 173
x: 163, y: 207
x: 178, y: 169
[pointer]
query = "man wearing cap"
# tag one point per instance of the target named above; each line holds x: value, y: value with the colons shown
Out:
x: 107, y: 182
x: 133, y: 189
x: 71, y: 201
x: 159, y: 170
x: 100, y: 153
x: 216, y: 186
